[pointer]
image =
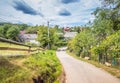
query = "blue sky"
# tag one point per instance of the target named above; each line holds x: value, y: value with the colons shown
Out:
x: 58, y: 12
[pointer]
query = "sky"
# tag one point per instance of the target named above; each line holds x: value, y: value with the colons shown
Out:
x: 57, y: 12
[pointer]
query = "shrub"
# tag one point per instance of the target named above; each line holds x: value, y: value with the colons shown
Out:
x: 108, y: 48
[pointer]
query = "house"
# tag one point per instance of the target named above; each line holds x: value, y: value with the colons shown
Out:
x: 67, y: 29
x: 28, y: 37
x: 70, y: 34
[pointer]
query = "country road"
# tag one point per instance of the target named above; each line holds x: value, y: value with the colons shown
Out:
x: 82, y: 72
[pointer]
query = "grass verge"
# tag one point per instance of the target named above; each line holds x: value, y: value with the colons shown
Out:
x: 11, y: 73
x: 23, y: 69
x: 115, y: 71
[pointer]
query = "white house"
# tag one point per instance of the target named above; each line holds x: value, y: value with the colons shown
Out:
x: 70, y: 34
x: 28, y: 37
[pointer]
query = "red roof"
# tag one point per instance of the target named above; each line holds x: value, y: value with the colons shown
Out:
x: 22, y: 32
x: 66, y: 29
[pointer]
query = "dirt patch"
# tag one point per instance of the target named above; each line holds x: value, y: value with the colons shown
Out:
x: 62, y: 78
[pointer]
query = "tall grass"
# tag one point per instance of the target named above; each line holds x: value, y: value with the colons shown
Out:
x: 46, y: 65
x: 24, y: 69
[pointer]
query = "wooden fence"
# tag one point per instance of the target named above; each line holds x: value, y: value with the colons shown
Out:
x: 9, y: 47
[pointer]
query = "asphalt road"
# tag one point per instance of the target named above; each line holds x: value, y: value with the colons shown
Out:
x: 82, y: 72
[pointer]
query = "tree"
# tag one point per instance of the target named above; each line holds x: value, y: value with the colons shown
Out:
x: 12, y: 33
x: 102, y: 40
x: 2, y: 31
x: 108, y: 47
x: 53, y: 38
x: 113, y: 6
x: 32, y: 29
x: 43, y: 36
x: 82, y: 43
x: 22, y: 26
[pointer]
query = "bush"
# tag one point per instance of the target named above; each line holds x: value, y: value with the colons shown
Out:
x: 81, y: 44
x: 108, y: 48
x: 46, y: 65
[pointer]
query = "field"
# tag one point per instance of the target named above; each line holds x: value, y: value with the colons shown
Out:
x: 43, y: 66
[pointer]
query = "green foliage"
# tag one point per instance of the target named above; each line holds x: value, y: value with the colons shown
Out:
x: 110, y: 10
x: 61, y: 43
x: 75, y: 29
x: 109, y: 46
x: 102, y: 27
x: 43, y: 36
x: 46, y: 65
x: 102, y: 40
x: 53, y: 38
x: 58, y: 29
x: 10, y: 73
x: 12, y: 33
x: 81, y: 44
x: 31, y: 44
x: 106, y: 28
x: 1, y: 31
x: 23, y: 69
x: 22, y: 26
x: 32, y: 29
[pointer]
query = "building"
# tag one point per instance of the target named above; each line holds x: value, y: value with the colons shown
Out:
x: 28, y: 37
x: 67, y: 29
x: 70, y: 34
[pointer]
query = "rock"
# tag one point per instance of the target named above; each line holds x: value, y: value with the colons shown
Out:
x: 87, y: 58
x: 107, y: 64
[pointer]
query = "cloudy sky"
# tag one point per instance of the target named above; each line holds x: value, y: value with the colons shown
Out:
x: 58, y: 12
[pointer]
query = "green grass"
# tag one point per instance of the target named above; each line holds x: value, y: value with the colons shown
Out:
x: 115, y: 71
x: 46, y: 65
x: 3, y: 44
x: 11, y: 73
x: 23, y: 69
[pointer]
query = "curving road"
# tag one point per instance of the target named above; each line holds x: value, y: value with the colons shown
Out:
x: 82, y: 72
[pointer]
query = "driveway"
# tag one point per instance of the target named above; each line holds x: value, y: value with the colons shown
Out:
x: 82, y: 72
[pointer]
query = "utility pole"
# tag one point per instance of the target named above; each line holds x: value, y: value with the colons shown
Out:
x: 48, y: 34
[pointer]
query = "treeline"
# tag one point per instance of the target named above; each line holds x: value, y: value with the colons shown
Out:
x: 101, y: 41
x: 55, y: 39
x: 11, y: 31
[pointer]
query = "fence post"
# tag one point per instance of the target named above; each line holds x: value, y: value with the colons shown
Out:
x: 11, y: 43
x: 29, y: 49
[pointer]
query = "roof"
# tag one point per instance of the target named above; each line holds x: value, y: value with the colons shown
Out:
x: 70, y: 34
x: 28, y: 36
x: 66, y: 29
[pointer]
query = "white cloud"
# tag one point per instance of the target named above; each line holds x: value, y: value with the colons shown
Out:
x: 80, y: 12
